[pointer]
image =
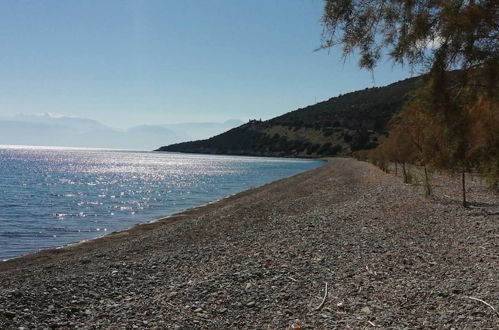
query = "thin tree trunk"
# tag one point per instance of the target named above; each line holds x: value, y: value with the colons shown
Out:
x: 404, y: 172
x: 427, y: 182
x: 396, y: 169
x: 463, y: 179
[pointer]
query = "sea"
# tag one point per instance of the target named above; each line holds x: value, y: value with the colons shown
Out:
x: 52, y: 196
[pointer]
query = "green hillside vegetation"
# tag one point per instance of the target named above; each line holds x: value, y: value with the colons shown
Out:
x: 338, y: 126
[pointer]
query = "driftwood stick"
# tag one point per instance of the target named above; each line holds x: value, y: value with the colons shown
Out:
x: 323, y: 299
x: 484, y: 302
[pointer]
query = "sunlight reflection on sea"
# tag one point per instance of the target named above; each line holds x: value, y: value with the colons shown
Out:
x: 54, y: 196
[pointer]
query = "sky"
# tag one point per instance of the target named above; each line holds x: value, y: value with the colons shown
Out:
x: 126, y: 63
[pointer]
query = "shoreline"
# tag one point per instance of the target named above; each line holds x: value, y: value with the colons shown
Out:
x: 261, y: 258
x: 246, y: 154
x: 49, y: 252
x: 152, y: 219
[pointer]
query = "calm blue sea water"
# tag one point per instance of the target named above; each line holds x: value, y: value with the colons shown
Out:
x: 54, y: 196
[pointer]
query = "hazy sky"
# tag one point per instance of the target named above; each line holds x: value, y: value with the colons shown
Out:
x: 144, y: 62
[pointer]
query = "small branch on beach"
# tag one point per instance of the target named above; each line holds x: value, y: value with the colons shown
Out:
x: 293, y: 279
x: 371, y: 323
x: 323, y: 299
x: 485, y: 303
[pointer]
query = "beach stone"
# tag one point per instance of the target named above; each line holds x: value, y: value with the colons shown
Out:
x: 366, y: 310
x: 9, y: 314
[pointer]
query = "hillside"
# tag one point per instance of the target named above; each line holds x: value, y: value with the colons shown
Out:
x: 337, y: 126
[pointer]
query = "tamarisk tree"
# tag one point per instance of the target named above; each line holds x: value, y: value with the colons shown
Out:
x: 444, y: 34
x: 456, y: 42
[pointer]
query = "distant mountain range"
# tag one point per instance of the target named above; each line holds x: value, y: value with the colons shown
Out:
x: 338, y: 126
x: 50, y: 130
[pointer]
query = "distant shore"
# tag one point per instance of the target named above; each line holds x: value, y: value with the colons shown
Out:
x: 262, y: 258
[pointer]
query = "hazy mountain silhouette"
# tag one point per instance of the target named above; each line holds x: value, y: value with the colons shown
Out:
x: 51, y: 130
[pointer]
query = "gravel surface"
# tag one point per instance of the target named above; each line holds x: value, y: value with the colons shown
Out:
x: 261, y: 260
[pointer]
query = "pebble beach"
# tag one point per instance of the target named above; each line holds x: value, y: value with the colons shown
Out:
x: 343, y: 246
